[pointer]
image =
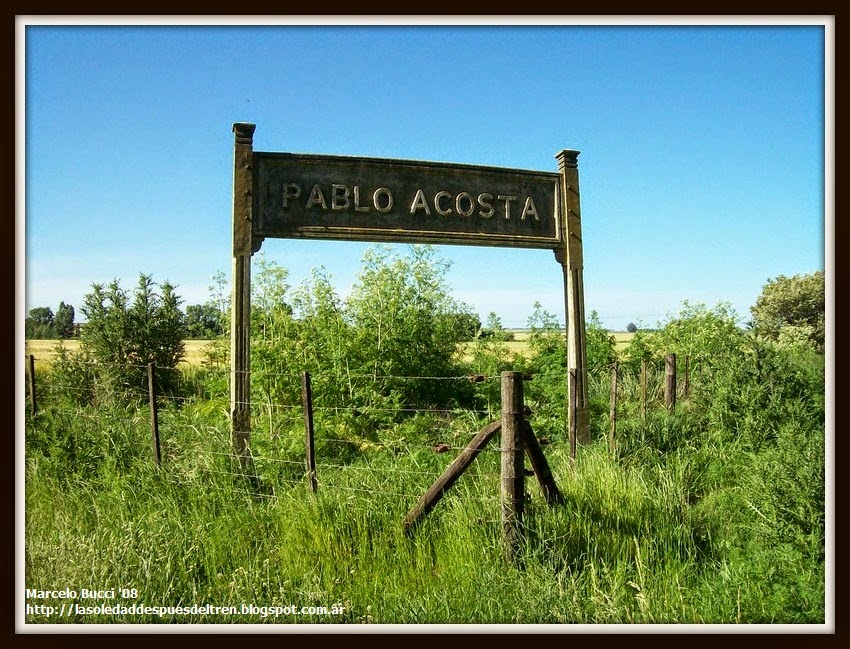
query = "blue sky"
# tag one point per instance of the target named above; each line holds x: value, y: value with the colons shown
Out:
x: 702, y: 166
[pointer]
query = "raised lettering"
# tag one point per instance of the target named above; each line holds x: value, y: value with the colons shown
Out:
x: 507, y: 200
x: 339, y: 197
x: 357, y: 206
x: 467, y: 197
x: 437, y: 197
x: 290, y: 190
x: 530, y: 209
x: 376, y: 199
x: 419, y: 203
x: 316, y: 198
x: 484, y: 201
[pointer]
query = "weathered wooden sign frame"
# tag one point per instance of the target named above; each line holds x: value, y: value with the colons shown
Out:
x: 302, y: 196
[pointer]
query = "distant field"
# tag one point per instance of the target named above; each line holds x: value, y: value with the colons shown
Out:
x: 623, y: 338
x: 45, y: 350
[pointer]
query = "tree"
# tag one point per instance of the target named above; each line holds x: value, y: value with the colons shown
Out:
x: 39, y: 324
x: 203, y: 321
x: 792, y: 308
x: 63, y: 322
x: 631, y: 327
x: 125, y: 337
x: 494, y: 330
x: 406, y: 323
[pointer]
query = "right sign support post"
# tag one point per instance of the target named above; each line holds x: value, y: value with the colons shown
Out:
x: 571, y: 259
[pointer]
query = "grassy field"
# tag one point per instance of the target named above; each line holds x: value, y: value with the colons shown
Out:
x: 45, y: 350
x: 711, y: 514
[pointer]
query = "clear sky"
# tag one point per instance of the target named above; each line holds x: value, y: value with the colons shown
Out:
x: 702, y: 166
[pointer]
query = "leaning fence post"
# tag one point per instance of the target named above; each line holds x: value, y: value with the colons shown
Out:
x: 307, y: 403
x: 154, y: 415
x: 670, y: 382
x: 513, y: 474
x: 32, y: 383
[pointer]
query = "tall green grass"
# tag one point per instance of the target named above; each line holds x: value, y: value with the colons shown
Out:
x: 680, y: 525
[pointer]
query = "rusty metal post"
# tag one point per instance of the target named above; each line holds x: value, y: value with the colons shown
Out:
x: 570, y: 256
x: 240, y: 331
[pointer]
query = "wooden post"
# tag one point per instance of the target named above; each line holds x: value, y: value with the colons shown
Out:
x: 307, y: 403
x: 431, y: 497
x: 244, y: 245
x: 643, y: 386
x: 157, y: 457
x: 572, y: 409
x: 570, y: 256
x: 670, y: 382
x: 513, y: 474
x: 613, y: 415
x: 32, y: 383
x: 541, y: 467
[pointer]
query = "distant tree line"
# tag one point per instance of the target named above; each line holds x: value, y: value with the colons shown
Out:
x: 43, y: 323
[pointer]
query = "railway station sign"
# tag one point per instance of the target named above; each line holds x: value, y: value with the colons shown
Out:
x: 309, y: 196
x: 337, y: 197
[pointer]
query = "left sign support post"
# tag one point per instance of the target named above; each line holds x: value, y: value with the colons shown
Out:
x: 244, y: 245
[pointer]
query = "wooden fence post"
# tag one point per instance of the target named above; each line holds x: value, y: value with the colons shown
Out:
x: 513, y: 473
x: 32, y: 383
x: 571, y: 414
x: 307, y: 403
x: 643, y: 386
x: 154, y: 415
x: 613, y: 415
x: 670, y: 382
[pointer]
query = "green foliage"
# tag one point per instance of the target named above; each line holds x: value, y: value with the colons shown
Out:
x: 365, y: 353
x: 124, y: 336
x: 640, y: 348
x: 701, y: 333
x: 63, y: 323
x: 599, y: 344
x: 39, y: 323
x: 792, y: 309
x: 203, y: 321
x: 406, y: 324
x: 42, y: 323
x: 752, y: 394
x: 712, y: 514
x: 494, y: 330
x: 547, y: 392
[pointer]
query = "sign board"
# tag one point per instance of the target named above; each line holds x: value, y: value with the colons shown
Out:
x: 337, y: 197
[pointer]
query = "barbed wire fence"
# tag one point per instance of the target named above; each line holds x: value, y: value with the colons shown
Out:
x: 274, y: 451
